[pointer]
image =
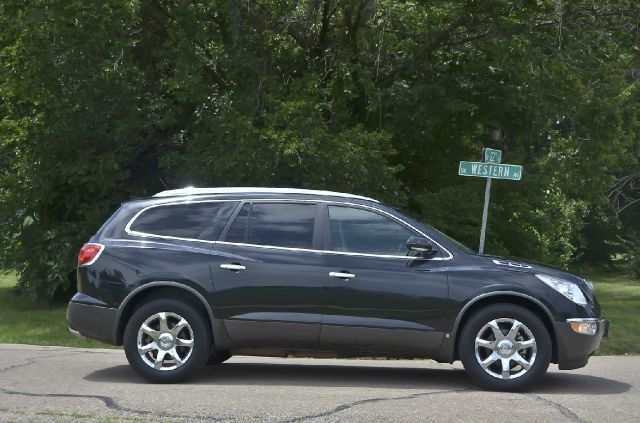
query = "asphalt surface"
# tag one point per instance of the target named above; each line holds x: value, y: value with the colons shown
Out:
x: 97, y: 385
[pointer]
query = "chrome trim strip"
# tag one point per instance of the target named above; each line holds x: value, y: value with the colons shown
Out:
x: 129, y: 231
x: 585, y: 319
x: 256, y: 190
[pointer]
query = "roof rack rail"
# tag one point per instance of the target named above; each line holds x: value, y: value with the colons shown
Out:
x: 256, y: 190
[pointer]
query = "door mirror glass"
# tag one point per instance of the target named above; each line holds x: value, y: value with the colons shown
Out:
x: 421, y: 246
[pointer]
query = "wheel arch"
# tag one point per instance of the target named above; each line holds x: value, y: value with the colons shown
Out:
x: 511, y: 297
x: 157, y: 289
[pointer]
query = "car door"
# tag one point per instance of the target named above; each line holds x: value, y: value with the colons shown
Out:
x: 267, y: 274
x: 379, y: 297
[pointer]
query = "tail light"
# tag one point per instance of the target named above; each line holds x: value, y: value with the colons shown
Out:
x: 89, y: 253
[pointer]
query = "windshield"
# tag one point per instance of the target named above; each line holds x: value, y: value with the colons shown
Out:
x: 446, y: 237
x: 455, y: 243
x: 451, y: 240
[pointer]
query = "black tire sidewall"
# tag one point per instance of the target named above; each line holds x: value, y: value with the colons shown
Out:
x: 466, y: 347
x: 201, y: 346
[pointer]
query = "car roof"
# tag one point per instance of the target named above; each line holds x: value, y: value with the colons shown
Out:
x: 191, y: 191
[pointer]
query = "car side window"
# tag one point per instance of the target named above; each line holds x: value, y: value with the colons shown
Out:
x: 194, y: 220
x: 356, y: 230
x: 275, y: 224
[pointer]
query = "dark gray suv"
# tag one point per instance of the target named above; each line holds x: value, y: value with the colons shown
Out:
x: 196, y: 275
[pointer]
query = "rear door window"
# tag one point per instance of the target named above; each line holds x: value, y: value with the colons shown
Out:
x: 275, y: 224
x: 202, y: 221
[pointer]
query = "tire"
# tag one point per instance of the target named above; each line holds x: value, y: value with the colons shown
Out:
x: 495, y: 349
x: 183, y: 349
x: 218, y: 357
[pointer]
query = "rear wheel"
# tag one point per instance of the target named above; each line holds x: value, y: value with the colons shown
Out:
x: 505, y: 347
x: 166, y: 341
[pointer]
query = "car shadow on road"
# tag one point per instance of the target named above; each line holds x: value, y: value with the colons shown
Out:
x: 324, y: 375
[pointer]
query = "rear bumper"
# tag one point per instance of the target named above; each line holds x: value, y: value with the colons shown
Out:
x: 574, y: 349
x: 90, y: 320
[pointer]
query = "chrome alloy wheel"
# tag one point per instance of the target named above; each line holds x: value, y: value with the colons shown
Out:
x: 505, y: 348
x: 165, y: 341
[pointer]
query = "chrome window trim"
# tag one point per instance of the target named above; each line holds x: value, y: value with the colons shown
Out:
x: 129, y: 231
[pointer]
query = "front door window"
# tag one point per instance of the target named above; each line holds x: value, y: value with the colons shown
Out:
x: 355, y: 230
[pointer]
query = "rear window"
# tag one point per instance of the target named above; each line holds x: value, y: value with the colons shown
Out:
x: 193, y: 220
x: 280, y: 225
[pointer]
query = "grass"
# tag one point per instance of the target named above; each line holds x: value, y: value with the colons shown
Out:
x: 23, y: 322
x: 619, y: 297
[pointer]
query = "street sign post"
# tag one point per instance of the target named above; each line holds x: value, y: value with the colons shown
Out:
x: 490, y: 168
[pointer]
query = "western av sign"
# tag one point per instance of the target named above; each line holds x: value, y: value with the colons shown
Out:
x: 490, y: 170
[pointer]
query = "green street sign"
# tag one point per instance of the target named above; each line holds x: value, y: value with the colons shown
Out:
x: 492, y: 156
x: 489, y: 170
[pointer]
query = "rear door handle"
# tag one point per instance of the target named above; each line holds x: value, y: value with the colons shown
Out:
x: 232, y: 266
x: 342, y: 275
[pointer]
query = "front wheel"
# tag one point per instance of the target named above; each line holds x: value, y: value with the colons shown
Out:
x: 505, y: 347
x: 166, y: 341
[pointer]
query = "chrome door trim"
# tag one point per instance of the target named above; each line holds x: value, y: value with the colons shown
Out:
x: 232, y: 266
x: 131, y: 232
x: 342, y: 275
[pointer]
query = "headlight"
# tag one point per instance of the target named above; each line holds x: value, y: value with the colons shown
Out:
x: 566, y: 288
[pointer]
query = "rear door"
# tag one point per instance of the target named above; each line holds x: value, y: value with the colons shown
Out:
x: 380, y: 297
x: 268, y: 274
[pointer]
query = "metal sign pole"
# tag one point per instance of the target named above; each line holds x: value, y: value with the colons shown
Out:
x: 490, y: 168
x: 485, y: 213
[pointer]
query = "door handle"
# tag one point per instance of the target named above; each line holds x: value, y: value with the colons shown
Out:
x: 342, y: 275
x: 232, y: 266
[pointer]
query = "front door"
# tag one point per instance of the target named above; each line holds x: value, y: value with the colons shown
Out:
x: 267, y: 275
x: 380, y: 298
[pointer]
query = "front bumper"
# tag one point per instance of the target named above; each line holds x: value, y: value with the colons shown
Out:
x: 91, y: 320
x: 574, y: 349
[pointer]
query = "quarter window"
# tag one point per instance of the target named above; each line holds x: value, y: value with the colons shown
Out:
x: 357, y: 230
x: 280, y: 225
x: 194, y: 221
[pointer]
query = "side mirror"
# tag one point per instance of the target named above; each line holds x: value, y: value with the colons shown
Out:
x: 420, y: 245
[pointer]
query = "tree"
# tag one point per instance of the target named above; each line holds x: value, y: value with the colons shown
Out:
x: 104, y: 101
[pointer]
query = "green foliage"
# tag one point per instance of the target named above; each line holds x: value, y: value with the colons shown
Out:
x: 26, y: 322
x: 104, y: 101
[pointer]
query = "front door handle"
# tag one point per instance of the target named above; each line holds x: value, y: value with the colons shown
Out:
x: 342, y: 275
x: 232, y: 266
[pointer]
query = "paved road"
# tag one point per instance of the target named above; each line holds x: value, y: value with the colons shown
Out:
x: 96, y: 385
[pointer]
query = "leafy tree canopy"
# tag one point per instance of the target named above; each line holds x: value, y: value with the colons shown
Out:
x: 104, y: 101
